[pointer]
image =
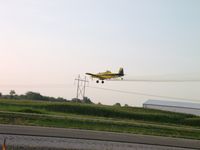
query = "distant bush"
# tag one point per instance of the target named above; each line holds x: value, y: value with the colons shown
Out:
x: 117, y: 104
x: 86, y: 100
x: 34, y: 96
x: 126, y: 105
x: 76, y: 100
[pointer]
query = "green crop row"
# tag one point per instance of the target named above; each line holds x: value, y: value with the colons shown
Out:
x: 131, y: 113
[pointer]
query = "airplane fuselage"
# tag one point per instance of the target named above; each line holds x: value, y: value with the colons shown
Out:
x: 107, y: 75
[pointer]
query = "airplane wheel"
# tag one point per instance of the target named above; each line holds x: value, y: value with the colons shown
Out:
x: 102, y: 82
x: 97, y: 81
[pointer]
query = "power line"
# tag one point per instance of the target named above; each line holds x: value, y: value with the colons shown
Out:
x: 81, y: 88
x: 36, y: 85
x: 143, y: 94
x: 158, y: 80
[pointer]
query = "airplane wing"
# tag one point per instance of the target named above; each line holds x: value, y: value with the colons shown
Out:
x: 96, y: 76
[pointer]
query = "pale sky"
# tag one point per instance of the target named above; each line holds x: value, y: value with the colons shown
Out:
x: 50, y: 42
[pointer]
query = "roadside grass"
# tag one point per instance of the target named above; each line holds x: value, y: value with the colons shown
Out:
x: 101, y: 125
x: 99, y: 117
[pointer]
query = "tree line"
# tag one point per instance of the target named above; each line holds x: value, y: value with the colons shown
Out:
x: 37, y: 96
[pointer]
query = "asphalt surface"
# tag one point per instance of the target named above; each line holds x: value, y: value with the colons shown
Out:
x: 98, y: 136
x: 18, y: 142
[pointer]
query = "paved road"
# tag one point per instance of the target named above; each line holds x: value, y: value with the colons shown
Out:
x: 17, y: 132
x: 18, y: 142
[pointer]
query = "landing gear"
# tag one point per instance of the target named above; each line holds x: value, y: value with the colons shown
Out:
x: 122, y: 79
x: 101, y: 81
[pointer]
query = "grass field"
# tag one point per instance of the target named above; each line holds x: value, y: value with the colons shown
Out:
x: 99, y: 117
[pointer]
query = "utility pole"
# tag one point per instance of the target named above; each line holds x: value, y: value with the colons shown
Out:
x: 81, y: 85
x: 84, y: 87
x: 77, y: 92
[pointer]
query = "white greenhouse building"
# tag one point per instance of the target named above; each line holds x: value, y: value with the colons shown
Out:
x: 174, y: 106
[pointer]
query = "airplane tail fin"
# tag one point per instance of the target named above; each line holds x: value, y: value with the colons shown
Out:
x: 121, y: 71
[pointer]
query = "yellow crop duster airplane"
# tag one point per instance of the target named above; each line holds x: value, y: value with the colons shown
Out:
x: 107, y: 75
